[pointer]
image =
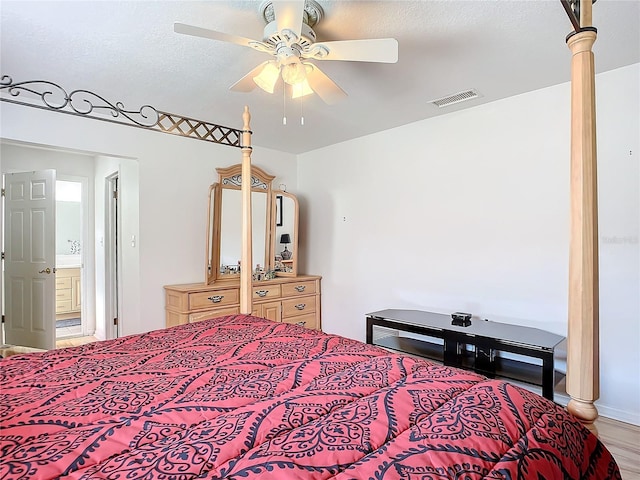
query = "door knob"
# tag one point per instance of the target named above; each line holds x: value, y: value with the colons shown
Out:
x: 46, y: 270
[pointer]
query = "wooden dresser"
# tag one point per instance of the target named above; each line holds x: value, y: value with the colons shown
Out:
x: 283, y: 299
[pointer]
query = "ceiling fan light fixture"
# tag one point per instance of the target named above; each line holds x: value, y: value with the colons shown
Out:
x: 294, y: 73
x: 289, y: 37
x: 301, y: 89
x: 268, y: 77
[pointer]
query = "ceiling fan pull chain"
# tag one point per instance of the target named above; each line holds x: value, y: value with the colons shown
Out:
x: 284, y: 103
x: 301, y: 111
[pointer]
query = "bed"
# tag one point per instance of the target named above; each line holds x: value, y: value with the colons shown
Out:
x: 244, y: 397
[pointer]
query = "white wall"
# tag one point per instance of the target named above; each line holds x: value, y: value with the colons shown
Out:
x: 174, y: 175
x: 470, y: 211
x: 129, y: 287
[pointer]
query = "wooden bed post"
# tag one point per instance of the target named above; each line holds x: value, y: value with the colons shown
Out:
x: 246, y: 267
x: 583, y: 372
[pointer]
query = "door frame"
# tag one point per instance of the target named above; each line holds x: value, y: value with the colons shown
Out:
x: 112, y: 257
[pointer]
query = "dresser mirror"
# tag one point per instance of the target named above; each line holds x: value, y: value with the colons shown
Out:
x: 273, y: 214
x: 285, y: 238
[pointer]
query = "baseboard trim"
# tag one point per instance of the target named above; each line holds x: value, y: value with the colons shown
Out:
x: 604, y: 410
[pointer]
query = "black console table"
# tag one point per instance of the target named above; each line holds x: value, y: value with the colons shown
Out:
x: 485, y: 338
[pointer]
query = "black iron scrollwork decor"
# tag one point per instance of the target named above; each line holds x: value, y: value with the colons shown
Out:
x: 88, y: 104
x: 82, y: 102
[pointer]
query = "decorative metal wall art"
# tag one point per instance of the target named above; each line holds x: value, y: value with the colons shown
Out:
x: 192, y: 128
x: 236, y: 181
x: 91, y: 105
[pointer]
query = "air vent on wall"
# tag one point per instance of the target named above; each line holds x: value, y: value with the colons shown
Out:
x: 455, y: 98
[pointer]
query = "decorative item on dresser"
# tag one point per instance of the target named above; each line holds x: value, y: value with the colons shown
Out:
x: 278, y: 292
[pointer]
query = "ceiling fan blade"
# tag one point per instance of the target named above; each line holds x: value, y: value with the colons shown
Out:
x: 246, y: 83
x: 289, y: 15
x: 327, y: 89
x: 223, y: 37
x: 381, y: 50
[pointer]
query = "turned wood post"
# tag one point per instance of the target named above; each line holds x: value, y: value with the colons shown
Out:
x: 583, y: 371
x: 246, y: 267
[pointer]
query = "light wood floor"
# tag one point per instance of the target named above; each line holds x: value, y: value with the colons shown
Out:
x: 74, y: 341
x: 8, y: 350
x: 622, y: 439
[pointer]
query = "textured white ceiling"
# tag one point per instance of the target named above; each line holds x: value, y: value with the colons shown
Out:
x: 127, y: 51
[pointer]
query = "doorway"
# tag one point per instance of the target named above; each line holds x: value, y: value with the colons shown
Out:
x: 71, y: 237
x: 45, y: 285
x: 90, y: 171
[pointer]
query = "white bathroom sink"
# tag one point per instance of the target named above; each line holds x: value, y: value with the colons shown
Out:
x: 68, y: 261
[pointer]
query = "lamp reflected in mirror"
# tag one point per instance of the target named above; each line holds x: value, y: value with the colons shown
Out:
x: 285, y: 239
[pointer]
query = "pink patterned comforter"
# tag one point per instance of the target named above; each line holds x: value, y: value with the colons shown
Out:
x: 241, y: 397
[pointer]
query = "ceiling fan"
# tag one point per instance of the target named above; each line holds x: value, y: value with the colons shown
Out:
x: 288, y: 36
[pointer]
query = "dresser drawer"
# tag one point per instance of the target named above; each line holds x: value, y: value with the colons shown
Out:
x: 63, y: 305
x: 298, y: 306
x: 264, y: 292
x: 62, y: 295
x: 213, y: 298
x: 218, y: 312
x: 306, y: 321
x: 298, y: 288
x: 62, y: 283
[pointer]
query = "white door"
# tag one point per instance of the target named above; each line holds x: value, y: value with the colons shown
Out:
x: 29, y: 269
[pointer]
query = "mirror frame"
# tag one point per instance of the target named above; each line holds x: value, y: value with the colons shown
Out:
x: 294, y: 232
x: 212, y: 253
x: 231, y: 178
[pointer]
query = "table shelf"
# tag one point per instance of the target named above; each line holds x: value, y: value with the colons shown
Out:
x: 507, y: 368
x: 412, y: 346
x: 523, y: 371
x: 485, y: 348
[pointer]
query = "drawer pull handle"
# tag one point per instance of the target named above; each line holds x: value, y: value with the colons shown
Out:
x: 262, y: 293
x: 301, y: 306
x: 301, y: 324
x: 216, y: 298
x: 300, y: 288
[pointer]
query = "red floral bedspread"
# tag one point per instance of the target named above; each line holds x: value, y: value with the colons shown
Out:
x: 241, y: 397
